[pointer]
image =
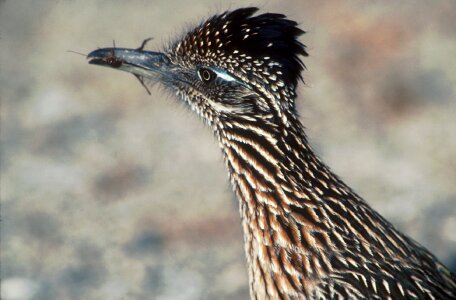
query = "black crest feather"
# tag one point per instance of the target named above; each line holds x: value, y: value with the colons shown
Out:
x: 267, y: 38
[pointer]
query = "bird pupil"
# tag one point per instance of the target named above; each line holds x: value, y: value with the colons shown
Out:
x: 206, y: 75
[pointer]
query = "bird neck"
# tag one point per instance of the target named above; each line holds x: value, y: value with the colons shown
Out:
x: 294, y: 211
x: 272, y: 166
x: 278, y: 180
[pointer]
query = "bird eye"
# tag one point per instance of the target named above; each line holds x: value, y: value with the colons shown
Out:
x: 206, y: 75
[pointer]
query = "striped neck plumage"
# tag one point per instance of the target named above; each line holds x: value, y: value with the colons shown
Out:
x: 271, y: 156
x: 278, y: 181
x: 296, y: 215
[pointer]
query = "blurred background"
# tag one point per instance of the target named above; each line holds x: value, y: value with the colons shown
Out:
x: 109, y: 193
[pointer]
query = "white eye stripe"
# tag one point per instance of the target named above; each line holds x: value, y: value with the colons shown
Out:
x: 224, y: 75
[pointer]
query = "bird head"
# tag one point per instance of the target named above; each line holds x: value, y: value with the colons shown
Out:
x: 233, y: 65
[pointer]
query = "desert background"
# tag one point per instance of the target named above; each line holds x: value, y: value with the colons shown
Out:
x: 109, y: 193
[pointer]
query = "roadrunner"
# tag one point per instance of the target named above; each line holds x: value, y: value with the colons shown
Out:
x: 307, y: 234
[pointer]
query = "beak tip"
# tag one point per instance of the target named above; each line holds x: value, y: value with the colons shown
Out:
x: 94, y: 60
x: 96, y: 57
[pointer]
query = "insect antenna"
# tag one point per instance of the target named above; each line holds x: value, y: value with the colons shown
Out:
x: 75, y: 52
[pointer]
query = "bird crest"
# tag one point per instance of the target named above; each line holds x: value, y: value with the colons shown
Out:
x: 264, y: 46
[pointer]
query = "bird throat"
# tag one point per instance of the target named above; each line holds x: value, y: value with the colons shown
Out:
x: 279, y: 182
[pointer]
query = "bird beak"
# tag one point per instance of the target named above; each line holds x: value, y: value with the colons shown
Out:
x: 136, y: 61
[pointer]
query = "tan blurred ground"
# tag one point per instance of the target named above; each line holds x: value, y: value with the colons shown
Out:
x: 108, y: 193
